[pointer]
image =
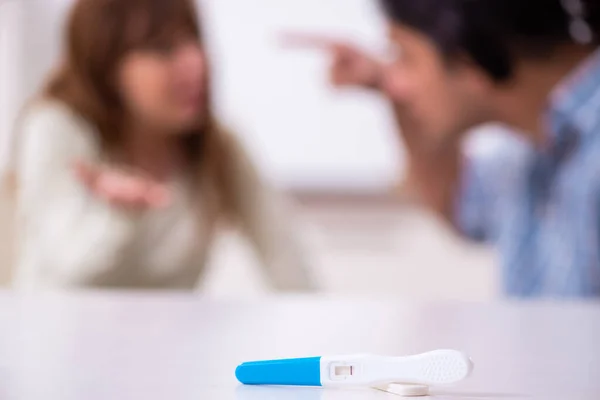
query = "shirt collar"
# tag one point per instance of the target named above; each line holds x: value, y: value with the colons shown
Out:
x: 574, y: 106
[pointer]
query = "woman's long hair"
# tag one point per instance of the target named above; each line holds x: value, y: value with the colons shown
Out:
x: 99, y: 34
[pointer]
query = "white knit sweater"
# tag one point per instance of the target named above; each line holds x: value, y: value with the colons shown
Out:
x: 68, y: 238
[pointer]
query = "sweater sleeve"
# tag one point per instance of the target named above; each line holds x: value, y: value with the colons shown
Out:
x: 266, y: 219
x: 66, y: 233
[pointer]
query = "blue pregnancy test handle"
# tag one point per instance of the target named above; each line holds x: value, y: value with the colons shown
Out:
x: 292, y: 372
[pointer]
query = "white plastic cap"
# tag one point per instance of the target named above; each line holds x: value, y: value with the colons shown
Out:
x: 407, y: 390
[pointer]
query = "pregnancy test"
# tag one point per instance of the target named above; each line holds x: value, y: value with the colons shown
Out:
x: 438, y: 367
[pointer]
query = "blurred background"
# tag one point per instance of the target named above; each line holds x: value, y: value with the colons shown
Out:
x: 335, y: 152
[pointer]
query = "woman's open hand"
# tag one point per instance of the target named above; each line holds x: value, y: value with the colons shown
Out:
x: 121, y: 188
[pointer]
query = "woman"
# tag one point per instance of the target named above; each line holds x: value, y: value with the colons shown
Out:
x: 123, y: 173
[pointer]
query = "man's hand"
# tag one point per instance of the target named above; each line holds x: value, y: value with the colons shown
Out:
x: 350, y: 65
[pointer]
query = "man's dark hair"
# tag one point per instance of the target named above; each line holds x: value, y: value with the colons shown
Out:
x: 494, y: 33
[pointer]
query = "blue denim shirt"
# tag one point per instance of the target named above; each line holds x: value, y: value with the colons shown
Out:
x: 541, y: 206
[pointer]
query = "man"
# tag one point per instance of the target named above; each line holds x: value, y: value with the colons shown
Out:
x: 531, y: 64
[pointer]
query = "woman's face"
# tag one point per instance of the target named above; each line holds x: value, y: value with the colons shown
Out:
x: 164, y: 86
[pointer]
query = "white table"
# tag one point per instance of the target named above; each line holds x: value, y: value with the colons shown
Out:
x: 120, y: 346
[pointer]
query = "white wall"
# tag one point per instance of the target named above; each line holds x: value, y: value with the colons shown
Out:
x: 303, y: 132
x: 300, y: 131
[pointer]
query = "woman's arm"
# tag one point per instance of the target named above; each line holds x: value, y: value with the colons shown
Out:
x: 267, y: 221
x: 67, y: 232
